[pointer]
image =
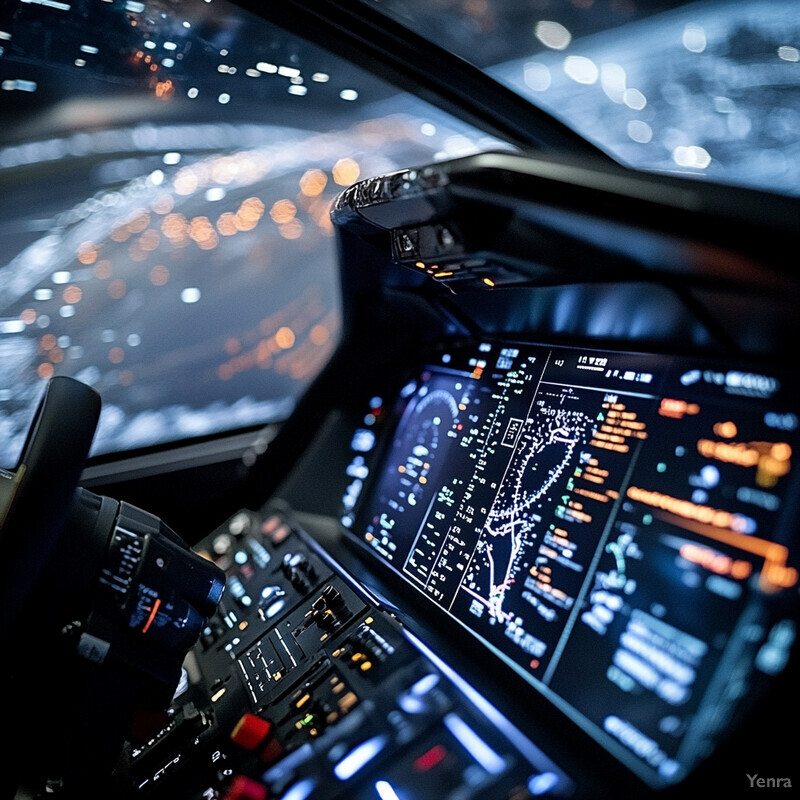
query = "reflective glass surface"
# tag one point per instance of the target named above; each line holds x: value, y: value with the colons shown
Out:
x: 166, y: 171
x: 708, y: 89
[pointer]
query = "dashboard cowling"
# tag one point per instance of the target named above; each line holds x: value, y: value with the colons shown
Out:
x: 582, y: 235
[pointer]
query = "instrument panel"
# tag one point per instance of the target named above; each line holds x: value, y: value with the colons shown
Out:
x: 303, y: 685
x: 540, y: 551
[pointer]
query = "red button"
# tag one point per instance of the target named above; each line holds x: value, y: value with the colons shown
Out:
x: 251, y: 731
x: 243, y: 788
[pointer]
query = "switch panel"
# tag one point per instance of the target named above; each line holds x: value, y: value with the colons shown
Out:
x: 304, y: 687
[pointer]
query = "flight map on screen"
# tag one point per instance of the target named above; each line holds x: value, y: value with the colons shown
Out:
x: 560, y: 501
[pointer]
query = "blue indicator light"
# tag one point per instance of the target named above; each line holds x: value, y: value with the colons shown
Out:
x: 386, y: 791
x: 542, y: 783
x: 300, y: 791
x: 359, y: 757
x: 493, y: 763
x: 363, y: 440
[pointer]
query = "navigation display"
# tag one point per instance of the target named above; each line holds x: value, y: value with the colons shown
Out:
x: 559, y: 502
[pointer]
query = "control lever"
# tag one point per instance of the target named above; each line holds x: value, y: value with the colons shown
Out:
x: 152, y: 597
x: 329, y: 609
x: 301, y: 574
x: 101, y: 602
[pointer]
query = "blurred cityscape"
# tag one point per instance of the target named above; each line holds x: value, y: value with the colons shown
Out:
x: 710, y: 88
x: 179, y: 257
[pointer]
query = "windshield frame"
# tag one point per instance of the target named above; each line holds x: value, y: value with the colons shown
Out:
x: 361, y: 33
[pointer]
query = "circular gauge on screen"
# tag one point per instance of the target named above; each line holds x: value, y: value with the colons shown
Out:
x: 424, y: 438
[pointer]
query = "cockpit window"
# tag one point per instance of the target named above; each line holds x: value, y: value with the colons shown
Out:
x: 166, y: 170
x: 709, y: 89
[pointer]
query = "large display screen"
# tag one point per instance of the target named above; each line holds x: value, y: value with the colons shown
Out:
x: 615, y: 526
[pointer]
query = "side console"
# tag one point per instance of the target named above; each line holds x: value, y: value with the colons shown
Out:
x: 303, y: 686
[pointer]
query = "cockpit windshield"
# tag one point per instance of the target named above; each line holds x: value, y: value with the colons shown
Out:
x: 162, y: 162
x: 160, y: 166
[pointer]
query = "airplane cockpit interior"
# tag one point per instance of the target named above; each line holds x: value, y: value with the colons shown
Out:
x: 399, y: 399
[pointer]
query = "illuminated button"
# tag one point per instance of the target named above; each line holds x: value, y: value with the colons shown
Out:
x: 239, y: 524
x: 261, y: 555
x: 275, y: 529
x: 222, y: 544
x: 251, y: 731
x: 236, y: 588
x: 300, y: 790
x: 542, y: 783
x: 386, y: 791
x: 359, y: 757
x: 243, y: 788
x: 428, y: 760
